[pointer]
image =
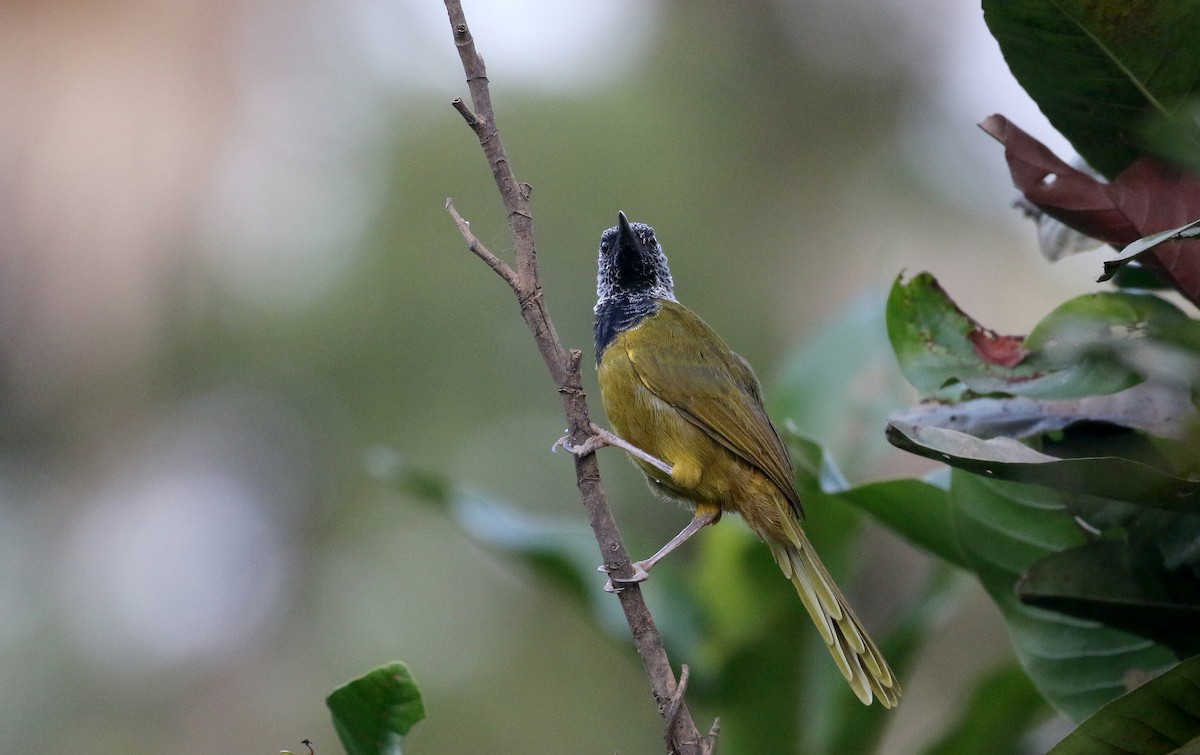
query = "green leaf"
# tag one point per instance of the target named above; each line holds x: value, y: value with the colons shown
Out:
x: 373, y: 712
x: 1146, y: 243
x: 1080, y: 322
x: 1085, y: 346
x: 1120, y: 585
x: 1100, y: 70
x: 1090, y: 345
x: 816, y: 472
x: 1161, y: 716
x: 998, y: 716
x: 1007, y: 459
x: 1137, y: 276
x: 1176, y: 138
x: 937, y: 343
x: 917, y: 511
x: 1003, y: 528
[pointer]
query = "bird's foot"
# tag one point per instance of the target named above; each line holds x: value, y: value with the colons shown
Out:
x: 594, y: 443
x: 601, y: 438
x: 615, y: 585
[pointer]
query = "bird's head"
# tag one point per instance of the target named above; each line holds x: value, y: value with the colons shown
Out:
x: 632, y: 264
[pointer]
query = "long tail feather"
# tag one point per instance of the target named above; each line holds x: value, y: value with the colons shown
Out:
x: 856, y: 655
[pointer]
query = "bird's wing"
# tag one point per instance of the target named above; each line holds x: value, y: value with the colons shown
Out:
x: 714, y: 389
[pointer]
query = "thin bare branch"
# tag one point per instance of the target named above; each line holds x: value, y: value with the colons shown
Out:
x: 476, y: 246
x: 564, y: 366
x: 713, y: 733
x: 516, y: 201
x: 471, y: 119
x: 671, y: 714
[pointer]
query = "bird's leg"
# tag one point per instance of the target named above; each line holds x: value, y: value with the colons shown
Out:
x: 601, y: 438
x: 641, y: 569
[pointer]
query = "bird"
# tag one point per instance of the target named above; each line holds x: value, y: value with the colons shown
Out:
x: 673, y: 390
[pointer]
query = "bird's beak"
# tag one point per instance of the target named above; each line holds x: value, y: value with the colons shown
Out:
x: 626, y: 237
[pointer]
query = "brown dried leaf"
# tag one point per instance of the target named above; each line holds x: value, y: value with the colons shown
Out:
x: 1147, y: 197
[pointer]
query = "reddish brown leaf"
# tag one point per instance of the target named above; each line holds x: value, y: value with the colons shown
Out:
x: 1147, y: 197
x: 1005, y: 351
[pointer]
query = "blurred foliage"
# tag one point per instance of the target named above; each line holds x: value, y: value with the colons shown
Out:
x: 769, y: 693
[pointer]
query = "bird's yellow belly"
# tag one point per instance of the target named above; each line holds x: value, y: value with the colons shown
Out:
x: 704, y: 472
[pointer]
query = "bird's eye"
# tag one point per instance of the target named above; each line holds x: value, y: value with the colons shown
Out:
x: 604, y: 246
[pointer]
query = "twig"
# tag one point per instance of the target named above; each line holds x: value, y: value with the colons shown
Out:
x: 682, y: 735
x: 714, y: 732
x: 482, y: 252
x: 672, y: 711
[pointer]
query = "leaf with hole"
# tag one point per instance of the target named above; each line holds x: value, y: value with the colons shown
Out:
x: 942, y: 350
x: 1147, y: 197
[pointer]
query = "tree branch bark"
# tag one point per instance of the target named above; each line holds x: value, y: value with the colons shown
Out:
x: 681, y: 733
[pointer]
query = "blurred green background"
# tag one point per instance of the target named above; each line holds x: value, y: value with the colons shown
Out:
x: 231, y: 305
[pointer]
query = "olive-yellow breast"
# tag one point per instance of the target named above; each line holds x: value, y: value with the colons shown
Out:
x: 675, y: 390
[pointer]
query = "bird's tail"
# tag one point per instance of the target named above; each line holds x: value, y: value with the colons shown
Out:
x: 855, y: 654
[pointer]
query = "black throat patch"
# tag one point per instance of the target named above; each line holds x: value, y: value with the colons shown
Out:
x: 617, y: 314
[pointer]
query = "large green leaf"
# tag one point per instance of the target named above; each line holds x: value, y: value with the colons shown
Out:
x: 917, y: 511
x: 1176, y: 138
x: 1100, y: 70
x: 372, y: 713
x: 1123, y: 585
x: 1003, y: 528
x: 1084, y: 346
x: 1161, y: 716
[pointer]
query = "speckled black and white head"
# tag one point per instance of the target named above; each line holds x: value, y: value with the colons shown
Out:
x: 633, y: 276
x: 632, y: 263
